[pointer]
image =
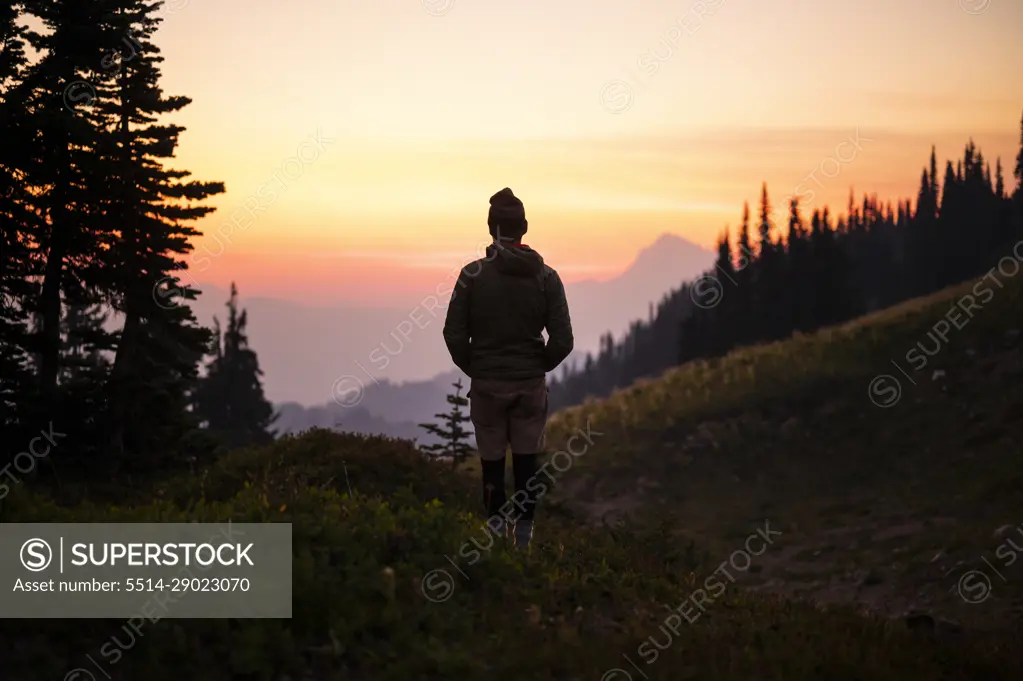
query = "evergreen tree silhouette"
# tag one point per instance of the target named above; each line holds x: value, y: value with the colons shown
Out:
x: 744, y: 263
x: 725, y: 272
x: 92, y: 221
x: 60, y: 169
x: 772, y: 313
x: 454, y: 437
x: 160, y: 342
x: 229, y: 400
x: 1018, y: 172
x: 800, y: 273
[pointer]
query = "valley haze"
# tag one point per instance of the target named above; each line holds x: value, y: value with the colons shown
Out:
x: 398, y: 353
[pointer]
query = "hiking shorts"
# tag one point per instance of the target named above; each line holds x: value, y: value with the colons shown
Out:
x: 508, y: 412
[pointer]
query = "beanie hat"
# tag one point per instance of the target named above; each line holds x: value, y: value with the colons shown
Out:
x: 507, y: 217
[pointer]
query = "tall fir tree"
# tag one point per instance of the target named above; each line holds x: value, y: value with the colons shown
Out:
x: 800, y: 271
x: 91, y: 223
x: 1016, y: 206
x: 726, y: 274
x: 744, y: 298
x: 772, y: 310
x: 58, y: 140
x: 160, y: 343
x: 229, y: 399
x: 1018, y: 172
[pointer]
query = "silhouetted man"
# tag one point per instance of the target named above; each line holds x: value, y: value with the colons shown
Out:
x: 499, y: 308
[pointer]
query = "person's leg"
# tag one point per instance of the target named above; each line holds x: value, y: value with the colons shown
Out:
x: 489, y: 415
x: 524, y: 470
x: 494, y: 495
x: 527, y: 429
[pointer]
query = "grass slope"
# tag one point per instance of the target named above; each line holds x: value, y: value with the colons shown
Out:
x: 391, y: 583
x: 893, y: 473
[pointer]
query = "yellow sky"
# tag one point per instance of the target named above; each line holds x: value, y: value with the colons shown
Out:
x: 613, y: 121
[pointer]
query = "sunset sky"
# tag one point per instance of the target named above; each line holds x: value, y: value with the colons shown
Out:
x: 609, y: 133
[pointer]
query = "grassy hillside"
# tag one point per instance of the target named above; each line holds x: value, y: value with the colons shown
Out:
x: 395, y: 578
x: 893, y: 474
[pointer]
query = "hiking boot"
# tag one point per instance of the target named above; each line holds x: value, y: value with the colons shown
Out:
x: 523, y: 533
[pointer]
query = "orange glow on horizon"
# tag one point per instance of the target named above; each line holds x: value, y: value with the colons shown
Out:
x: 359, y: 145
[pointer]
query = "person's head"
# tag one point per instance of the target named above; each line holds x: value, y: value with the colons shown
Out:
x: 507, y: 218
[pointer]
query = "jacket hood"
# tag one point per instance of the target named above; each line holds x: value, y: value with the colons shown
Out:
x: 517, y: 260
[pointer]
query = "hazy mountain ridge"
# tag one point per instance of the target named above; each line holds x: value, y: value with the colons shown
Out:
x: 304, y: 351
x: 386, y: 408
x: 294, y: 418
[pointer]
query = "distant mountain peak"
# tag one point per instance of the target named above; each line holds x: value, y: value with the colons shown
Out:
x: 667, y: 238
x: 666, y: 251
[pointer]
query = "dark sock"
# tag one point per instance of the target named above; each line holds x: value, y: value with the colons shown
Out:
x: 494, y: 496
x: 524, y: 468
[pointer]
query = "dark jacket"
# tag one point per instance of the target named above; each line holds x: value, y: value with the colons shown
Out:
x: 498, y: 309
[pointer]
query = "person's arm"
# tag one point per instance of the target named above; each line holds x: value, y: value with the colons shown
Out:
x: 456, y: 323
x: 559, y: 324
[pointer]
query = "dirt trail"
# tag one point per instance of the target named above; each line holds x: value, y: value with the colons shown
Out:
x: 893, y: 565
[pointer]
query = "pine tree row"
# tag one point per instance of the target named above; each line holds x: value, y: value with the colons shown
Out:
x: 774, y: 280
